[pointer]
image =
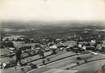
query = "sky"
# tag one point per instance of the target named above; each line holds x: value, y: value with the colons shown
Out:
x: 52, y: 10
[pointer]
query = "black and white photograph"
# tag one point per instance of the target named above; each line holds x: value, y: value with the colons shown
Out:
x: 52, y: 36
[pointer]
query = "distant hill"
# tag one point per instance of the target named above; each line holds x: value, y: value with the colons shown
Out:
x: 37, y: 29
